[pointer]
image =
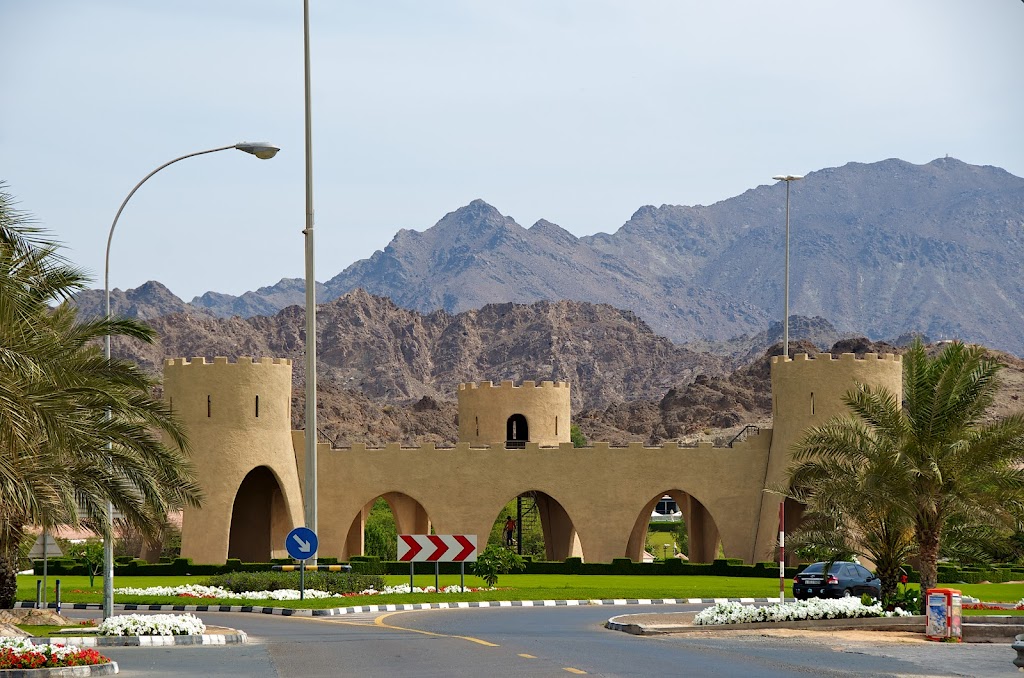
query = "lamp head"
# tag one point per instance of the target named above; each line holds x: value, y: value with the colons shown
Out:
x: 787, y: 177
x: 261, y: 150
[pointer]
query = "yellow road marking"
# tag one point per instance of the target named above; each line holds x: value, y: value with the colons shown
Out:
x: 527, y: 656
x: 379, y: 621
x: 572, y: 670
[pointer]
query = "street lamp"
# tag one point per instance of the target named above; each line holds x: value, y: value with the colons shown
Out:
x: 311, y: 426
x: 788, y: 178
x: 263, y: 151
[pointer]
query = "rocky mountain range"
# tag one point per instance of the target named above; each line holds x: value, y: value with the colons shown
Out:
x: 876, y: 249
x: 390, y: 374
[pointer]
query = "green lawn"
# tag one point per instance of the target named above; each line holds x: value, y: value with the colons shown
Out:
x: 993, y: 613
x: 43, y: 631
x: 510, y: 587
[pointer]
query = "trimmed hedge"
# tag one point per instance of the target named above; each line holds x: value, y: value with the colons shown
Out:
x: 371, y: 565
x: 177, y: 567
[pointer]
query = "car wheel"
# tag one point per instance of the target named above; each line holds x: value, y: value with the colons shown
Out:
x: 847, y: 593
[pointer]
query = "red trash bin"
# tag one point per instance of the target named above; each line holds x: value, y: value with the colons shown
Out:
x: 944, y: 612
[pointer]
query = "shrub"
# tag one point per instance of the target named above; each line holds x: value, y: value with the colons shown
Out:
x: 496, y: 560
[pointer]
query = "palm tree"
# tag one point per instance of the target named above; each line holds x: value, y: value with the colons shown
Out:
x: 62, y: 404
x: 933, y: 464
x: 841, y: 473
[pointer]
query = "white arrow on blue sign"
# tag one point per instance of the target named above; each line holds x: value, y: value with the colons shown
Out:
x: 301, y: 543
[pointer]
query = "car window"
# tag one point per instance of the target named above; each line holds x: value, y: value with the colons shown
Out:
x: 863, y: 571
x: 815, y: 568
x: 850, y: 572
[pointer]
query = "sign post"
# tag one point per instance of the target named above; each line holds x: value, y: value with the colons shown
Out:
x: 302, y: 544
x: 437, y: 548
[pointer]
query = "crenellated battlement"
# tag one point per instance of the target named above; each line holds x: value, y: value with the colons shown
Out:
x: 485, y: 385
x: 243, y: 361
x: 828, y: 357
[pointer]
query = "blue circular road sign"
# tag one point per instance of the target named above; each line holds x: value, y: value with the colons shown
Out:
x: 302, y: 543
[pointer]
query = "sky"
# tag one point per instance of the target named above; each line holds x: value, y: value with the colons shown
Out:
x: 574, y: 111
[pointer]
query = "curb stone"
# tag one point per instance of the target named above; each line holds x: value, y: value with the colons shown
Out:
x: 400, y: 607
x: 237, y: 638
x: 107, y: 669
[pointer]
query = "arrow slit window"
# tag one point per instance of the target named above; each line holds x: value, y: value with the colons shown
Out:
x: 257, y: 407
x: 208, y: 406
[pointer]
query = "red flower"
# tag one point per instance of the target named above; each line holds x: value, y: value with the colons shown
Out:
x: 903, y: 579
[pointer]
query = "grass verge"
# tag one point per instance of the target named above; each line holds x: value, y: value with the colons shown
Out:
x: 76, y: 589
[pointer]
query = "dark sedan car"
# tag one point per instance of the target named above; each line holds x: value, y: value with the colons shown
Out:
x: 841, y: 580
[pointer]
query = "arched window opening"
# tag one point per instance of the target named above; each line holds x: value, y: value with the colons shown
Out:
x: 517, y: 432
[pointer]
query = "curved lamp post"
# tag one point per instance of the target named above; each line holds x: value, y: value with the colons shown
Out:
x: 788, y: 178
x: 263, y: 151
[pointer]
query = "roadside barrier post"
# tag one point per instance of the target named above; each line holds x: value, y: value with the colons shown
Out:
x: 39, y: 593
x: 58, y: 596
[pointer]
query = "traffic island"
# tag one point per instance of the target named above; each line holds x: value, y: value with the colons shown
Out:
x: 216, y: 636
x: 682, y: 622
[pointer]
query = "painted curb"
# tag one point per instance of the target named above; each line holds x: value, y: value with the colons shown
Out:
x: 107, y: 669
x: 399, y: 607
x: 237, y: 638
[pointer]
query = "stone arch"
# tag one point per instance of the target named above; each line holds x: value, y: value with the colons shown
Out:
x: 260, y: 519
x: 560, y: 538
x: 410, y: 518
x: 701, y: 529
x: 517, y: 430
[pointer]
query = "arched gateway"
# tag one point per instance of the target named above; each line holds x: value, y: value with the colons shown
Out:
x: 602, y: 496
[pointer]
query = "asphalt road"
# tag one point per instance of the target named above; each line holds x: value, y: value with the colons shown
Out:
x: 561, y: 641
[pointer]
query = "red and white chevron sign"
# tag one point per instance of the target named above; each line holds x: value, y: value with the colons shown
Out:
x: 437, y: 548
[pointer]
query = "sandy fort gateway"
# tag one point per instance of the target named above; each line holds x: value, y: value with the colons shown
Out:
x: 594, y: 502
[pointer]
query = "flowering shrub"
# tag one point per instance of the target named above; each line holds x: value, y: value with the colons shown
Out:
x: 152, y: 625
x: 199, y: 591
x: 801, y: 610
x: 19, y: 653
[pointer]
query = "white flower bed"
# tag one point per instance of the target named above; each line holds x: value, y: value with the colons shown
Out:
x: 152, y: 625
x: 404, y: 588
x: 22, y: 645
x: 198, y: 591
x: 801, y: 610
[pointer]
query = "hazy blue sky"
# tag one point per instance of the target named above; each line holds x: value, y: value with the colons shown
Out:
x: 575, y: 111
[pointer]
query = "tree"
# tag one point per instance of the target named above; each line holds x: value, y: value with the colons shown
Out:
x: 577, y: 437
x: 936, y: 463
x: 90, y: 553
x: 381, y: 533
x: 62, y: 403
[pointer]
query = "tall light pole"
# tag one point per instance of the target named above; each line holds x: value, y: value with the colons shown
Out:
x: 788, y: 178
x: 263, y: 151
x: 311, y: 429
